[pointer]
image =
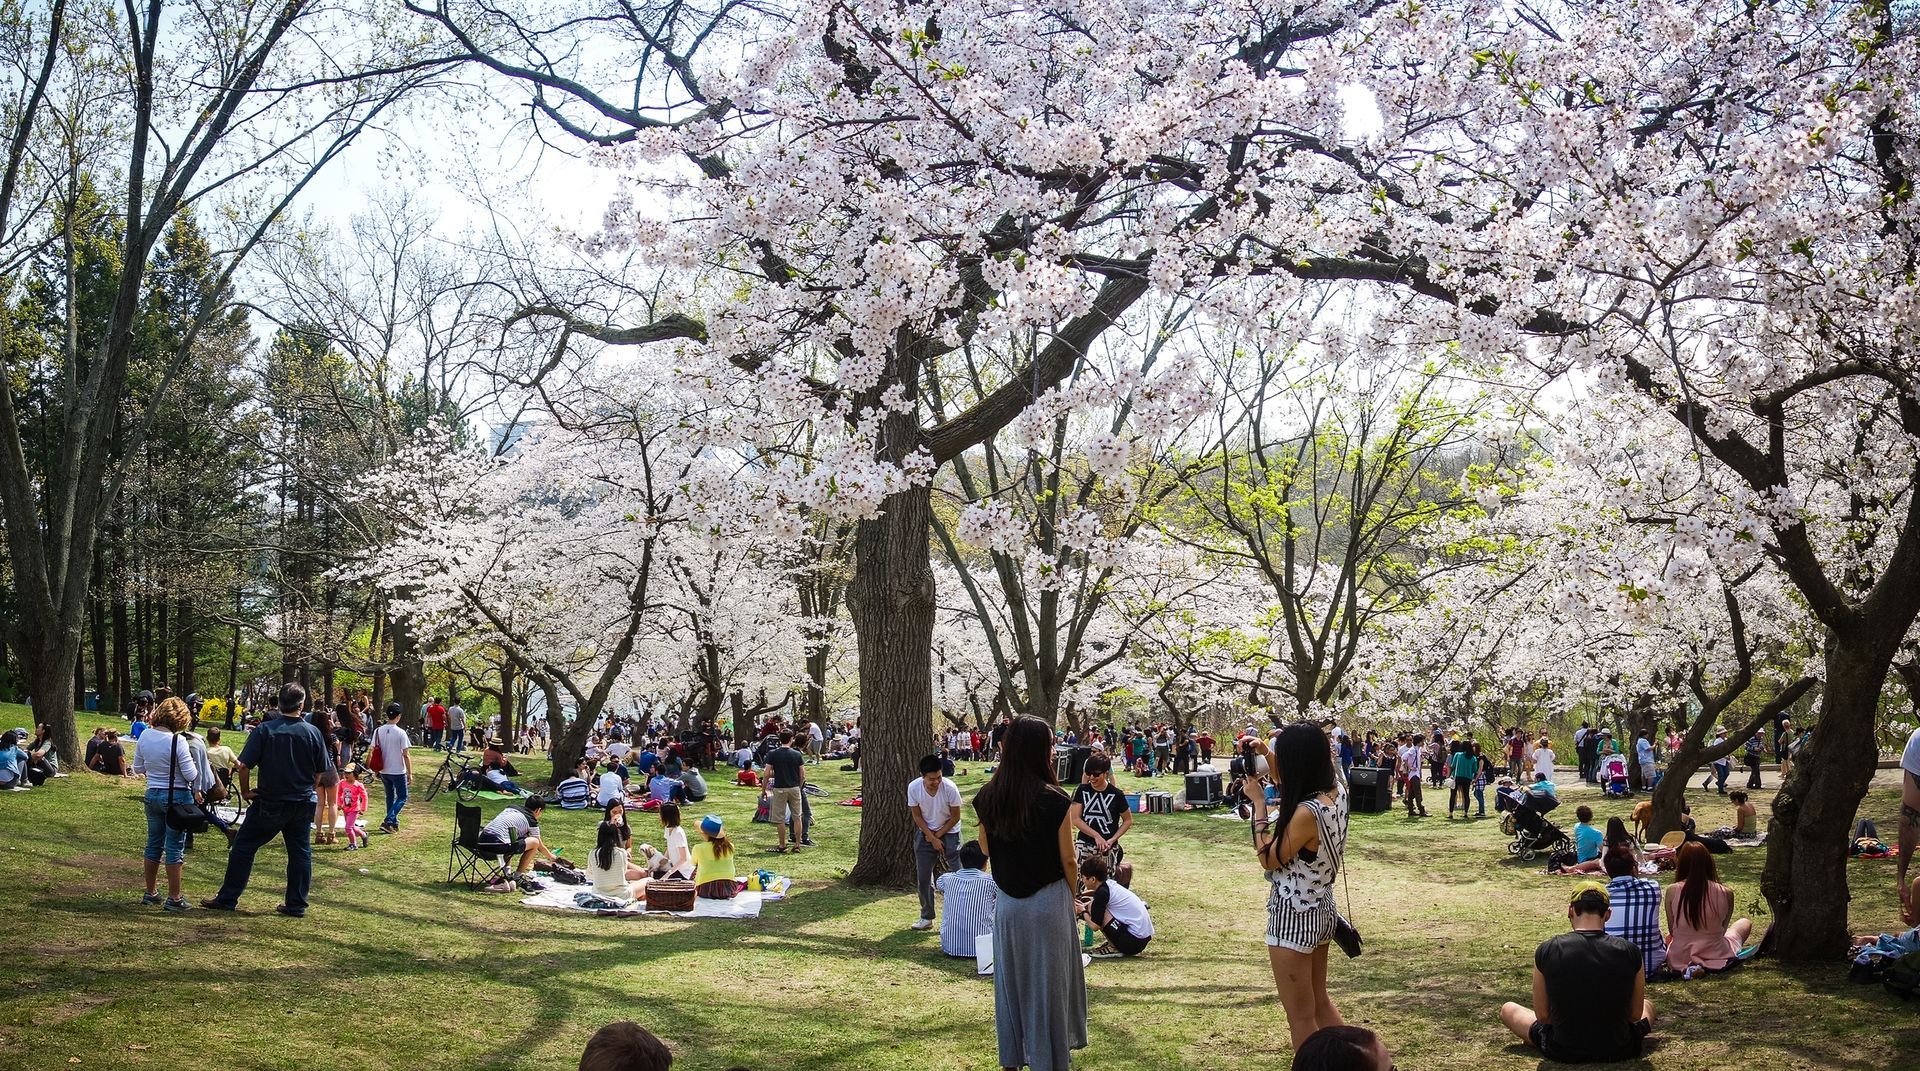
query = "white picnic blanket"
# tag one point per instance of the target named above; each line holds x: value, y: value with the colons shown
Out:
x: 744, y: 906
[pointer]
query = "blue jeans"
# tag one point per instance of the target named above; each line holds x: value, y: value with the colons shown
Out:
x: 396, y: 788
x: 291, y: 820
x: 1479, y: 795
x: 457, y: 741
x: 163, y: 844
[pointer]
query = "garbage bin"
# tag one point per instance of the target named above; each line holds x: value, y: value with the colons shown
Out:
x: 1370, y: 789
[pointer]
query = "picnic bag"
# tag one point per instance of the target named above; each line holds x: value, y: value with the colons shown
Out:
x: 669, y: 895
x: 188, y: 817
x: 1903, y: 974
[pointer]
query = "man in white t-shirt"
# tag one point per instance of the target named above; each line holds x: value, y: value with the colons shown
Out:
x: 1409, y: 774
x: 395, y: 766
x: 816, y: 741
x: 618, y: 750
x: 1543, y: 760
x: 1909, y: 826
x: 612, y: 786
x: 457, y: 728
x: 1114, y: 910
x: 934, y: 803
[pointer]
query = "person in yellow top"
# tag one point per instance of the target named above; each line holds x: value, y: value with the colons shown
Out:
x: 713, y: 865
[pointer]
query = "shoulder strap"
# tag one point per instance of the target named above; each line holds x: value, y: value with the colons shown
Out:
x: 173, y: 765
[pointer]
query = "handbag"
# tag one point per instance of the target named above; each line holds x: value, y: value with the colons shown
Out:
x: 188, y: 817
x: 1345, y: 934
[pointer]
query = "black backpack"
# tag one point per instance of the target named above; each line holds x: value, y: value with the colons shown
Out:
x: 1903, y: 974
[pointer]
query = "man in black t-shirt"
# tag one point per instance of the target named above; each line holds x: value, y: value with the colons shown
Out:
x: 1589, y: 990
x: 1099, y: 813
x: 786, y: 777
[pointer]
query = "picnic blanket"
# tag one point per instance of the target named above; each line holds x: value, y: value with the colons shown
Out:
x: 745, y: 906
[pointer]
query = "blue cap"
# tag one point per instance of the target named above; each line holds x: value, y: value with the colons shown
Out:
x: 711, y: 825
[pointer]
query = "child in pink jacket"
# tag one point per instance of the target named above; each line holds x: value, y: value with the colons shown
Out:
x: 353, y: 804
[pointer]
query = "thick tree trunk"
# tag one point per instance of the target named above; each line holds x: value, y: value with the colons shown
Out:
x: 1805, y: 878
x: 409, y: 672
x: 47, y: 660
x: 891, y: 598
x: 569, y: 736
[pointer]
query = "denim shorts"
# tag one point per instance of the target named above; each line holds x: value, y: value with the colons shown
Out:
x: 163, y: 844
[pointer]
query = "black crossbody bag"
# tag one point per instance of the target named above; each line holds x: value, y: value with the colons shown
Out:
x: 188, y: 817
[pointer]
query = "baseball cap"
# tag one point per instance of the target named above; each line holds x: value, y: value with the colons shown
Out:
x: 1586, y: 887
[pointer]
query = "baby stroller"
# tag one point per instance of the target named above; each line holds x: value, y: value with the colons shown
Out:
x: 1613, y: 777
x: 1532, y: 833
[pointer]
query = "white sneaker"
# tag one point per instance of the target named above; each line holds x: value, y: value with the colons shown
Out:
x: 923, y: 924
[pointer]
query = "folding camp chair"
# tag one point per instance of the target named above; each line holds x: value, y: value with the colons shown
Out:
x: 473, y: 861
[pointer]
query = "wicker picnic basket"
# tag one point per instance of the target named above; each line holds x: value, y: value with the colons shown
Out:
x: 668, y: 895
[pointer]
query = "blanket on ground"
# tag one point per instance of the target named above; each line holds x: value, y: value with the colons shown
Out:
x: 745, y: 906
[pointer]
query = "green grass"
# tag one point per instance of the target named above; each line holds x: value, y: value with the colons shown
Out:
x: 394, y: 970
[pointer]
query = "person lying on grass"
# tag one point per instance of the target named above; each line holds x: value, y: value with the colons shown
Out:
x: 1589, y: 989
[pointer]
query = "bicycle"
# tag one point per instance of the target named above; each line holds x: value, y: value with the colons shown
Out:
x: 453, y: 771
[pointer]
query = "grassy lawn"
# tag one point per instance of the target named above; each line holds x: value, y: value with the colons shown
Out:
x: 392, y: 969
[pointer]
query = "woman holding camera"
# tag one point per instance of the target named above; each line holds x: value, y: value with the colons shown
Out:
x: 1301, y: 849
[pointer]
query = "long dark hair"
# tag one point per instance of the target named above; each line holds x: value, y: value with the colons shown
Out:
x: 1006, y: 804
x: 1695, y: 874
x: 1617, y: 833
x: 605, y: 842
x: 1302, y: 765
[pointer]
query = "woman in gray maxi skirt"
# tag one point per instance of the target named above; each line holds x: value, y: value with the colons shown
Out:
x: 1039, y: 982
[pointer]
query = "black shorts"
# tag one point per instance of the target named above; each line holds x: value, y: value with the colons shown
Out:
x: 1541, y: 1035
x: 1122, y: 939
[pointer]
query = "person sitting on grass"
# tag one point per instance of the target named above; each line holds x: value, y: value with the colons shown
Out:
x: 1343, y: 1048
x: 111, y: 758
x: 1617, y: 839
x: 1587, y: 839
x: 574, y: 793
x: 1746, y: 817
x: 1589, y: 990
x: 1114, y: 910
x: 13, y: 763
x: 610, y: 866
x: 519, y: 823
x: 967, y: 899
x: 1702, y: 935
x: 665, y: 789
x: 1635, y: 908
x: 713, y: 863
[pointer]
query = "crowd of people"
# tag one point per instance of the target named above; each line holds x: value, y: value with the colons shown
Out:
x: 1045, y: 877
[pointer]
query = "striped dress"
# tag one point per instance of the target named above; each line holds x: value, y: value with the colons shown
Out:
x: 1300, y: 909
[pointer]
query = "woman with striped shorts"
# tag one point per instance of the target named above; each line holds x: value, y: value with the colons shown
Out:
x: 1301, y: 852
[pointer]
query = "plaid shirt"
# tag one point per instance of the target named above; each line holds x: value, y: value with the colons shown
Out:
x: 1636, y: 917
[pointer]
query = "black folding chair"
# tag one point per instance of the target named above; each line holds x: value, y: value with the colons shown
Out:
x: 474, y: 861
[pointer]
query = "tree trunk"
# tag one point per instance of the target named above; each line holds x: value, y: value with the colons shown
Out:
x: 97, y: 626
x: 409, y: 673
x: 184, y: 655
x: 891, y: 598
x: 569, y: 736
x: 142, y: 624
x: 1805, y: 878
x: 47, y: 660
x: 158, y: 640
x: 122, y: 656
x: 233, y: 661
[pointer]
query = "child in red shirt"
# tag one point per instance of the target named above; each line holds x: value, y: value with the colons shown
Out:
x: 353, y: 804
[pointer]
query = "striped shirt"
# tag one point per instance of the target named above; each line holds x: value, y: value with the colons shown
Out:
x: 1636, y: 917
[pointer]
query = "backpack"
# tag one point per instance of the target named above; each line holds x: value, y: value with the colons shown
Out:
x: 1903, y: 974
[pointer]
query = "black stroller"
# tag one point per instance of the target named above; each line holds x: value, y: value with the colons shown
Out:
x: 1526, y: 821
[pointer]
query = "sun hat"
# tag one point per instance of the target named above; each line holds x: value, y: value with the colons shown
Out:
x: 711, y: 825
